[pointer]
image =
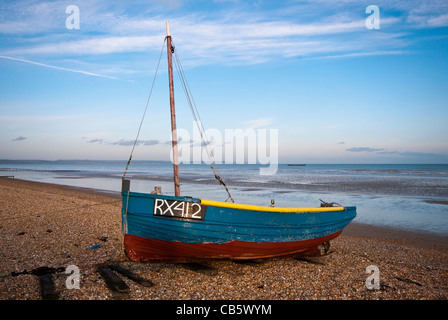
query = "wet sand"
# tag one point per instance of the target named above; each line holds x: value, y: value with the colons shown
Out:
x: 44, y: 225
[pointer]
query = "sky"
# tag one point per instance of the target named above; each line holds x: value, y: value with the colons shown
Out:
x: 347, y: 81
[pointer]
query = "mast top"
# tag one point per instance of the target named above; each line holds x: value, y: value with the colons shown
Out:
x: 168, y: 29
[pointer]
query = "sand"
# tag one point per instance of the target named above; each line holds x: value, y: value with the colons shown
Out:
x: 44, y: 225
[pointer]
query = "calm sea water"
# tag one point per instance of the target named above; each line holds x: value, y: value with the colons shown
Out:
x: 404, y: 196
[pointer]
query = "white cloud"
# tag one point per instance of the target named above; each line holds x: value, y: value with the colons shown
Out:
x: 439, y: 21
x: 34, y: 119
x: 361, y: 54
x: 93, y: 46
x: 59, y: 68
x: 198, y: 37
x: 305, y: 29
x: 257, y: 123
x: 31, y: 17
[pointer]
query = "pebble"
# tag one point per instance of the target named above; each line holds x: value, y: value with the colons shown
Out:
x: 50, y: 226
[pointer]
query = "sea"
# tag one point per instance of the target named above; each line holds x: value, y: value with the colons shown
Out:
x: 405, y: 196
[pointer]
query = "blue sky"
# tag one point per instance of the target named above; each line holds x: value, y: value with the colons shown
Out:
x: 336, y: 91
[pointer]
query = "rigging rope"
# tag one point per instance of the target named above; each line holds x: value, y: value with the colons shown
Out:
x: 196, y: 116
x: 144, y: 113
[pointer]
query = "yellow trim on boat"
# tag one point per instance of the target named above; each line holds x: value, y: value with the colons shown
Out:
x: 268, y: 209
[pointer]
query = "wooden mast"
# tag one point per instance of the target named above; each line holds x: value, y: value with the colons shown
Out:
x: 170, y: 50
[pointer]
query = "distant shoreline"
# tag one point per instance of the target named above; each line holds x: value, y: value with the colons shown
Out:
x: 29, y: 161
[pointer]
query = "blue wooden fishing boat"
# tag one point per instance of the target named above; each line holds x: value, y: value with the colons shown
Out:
x: 177, y: 228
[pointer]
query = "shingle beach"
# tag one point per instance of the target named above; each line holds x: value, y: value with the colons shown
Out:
x: 51, y: 227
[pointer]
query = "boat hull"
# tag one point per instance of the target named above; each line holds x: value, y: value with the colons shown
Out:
x: 142, y: 249
x: 165, y: 228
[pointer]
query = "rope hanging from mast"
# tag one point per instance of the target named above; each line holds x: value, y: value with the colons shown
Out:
x: 195, y: 113
x: 196, y: 117
x: 144, y: 113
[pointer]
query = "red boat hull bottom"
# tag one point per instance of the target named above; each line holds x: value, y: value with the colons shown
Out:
x: 143, y: 249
